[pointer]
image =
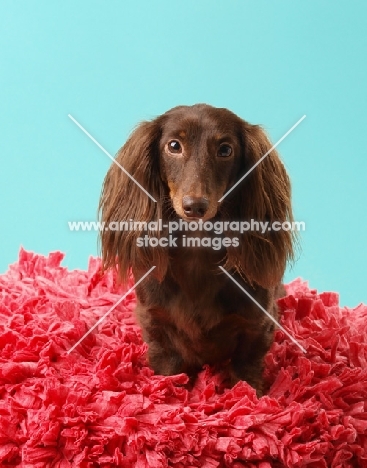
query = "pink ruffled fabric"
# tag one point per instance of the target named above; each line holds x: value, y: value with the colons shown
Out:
x: 102, y: 406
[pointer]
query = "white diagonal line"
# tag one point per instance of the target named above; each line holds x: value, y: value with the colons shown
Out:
x: 264, y: 310
x: 111, y: 157
x: 110, y: 310
x: 263, y: 157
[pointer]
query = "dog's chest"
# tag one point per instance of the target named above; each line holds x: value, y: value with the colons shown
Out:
x: 197, y: 273
x: 193, y: 306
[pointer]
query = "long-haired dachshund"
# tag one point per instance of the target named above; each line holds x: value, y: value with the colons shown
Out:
x: 190, y: 312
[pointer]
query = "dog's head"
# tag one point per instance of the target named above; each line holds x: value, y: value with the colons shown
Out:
x: 188, y: 159
x: 200, y: 154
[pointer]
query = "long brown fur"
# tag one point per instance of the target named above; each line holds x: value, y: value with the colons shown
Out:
x: 190, y: 312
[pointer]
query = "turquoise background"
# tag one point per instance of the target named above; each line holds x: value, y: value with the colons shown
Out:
x: 112, y: 64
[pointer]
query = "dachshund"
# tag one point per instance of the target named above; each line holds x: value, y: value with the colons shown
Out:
x: 191, y: 313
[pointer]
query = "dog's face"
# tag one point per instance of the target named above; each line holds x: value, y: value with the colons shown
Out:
x: 200, y: 154
x: 191, y: 156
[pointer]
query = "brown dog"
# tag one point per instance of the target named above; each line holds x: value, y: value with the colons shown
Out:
x: 190, y: 312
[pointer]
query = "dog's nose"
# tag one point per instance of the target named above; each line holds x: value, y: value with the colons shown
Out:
x: 195, y: 207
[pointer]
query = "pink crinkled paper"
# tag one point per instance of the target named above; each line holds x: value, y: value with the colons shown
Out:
x: 102, y: 406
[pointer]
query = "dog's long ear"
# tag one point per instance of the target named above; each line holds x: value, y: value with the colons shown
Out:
x: 122, y: 200
x: 264, y: 195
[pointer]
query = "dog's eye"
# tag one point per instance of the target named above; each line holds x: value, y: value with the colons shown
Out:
x: 174, y: 146
x: 224, y: 150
